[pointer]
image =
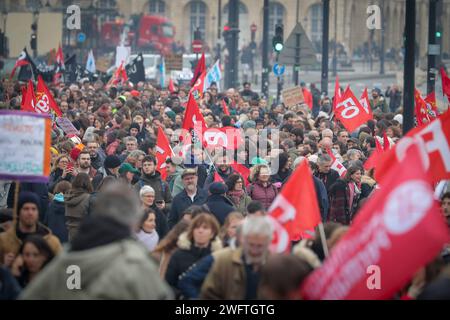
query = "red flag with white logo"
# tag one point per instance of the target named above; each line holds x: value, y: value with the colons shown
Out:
x: 445, y: 83
x: 199, y: 69
x: 433, y: 140
x: 29, y: 100
x: 350, y: 111
x: 227, y: 137
x: 197, y: 88
x: 45, y: 100
x: 193, y: 122
x: 295, y: 211
x: 337, y: 165
x: 163, y: 152
x: 337, y: 94
x: 365, y: 102
x: 365, y: 262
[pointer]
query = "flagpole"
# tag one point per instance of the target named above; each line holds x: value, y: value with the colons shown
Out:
x: 323, y: 239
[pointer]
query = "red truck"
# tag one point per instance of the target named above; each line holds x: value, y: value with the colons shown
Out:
x: 154, y: 33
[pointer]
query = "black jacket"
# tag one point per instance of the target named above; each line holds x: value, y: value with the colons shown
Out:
x: 55, y: 219
x: 220, y: 207
x: 181, y: 260
x: 55, y: 177
x: 162, y: 191
x: 328, y: 179
x: 181, y: 202
x: 161, y: 222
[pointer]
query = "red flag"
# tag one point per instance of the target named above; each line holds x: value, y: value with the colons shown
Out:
x: 365, y: 102
x: 423, y: 111
x: 337, y: 94
x: 197, y: 89
x: 350, y: 111
x: 193, y: 121
x: 365, y: 262
x: 225, y: 108
x: 29, y: 100
x: 242, y: 170
x: 431, y: 101
x: 295, y: 211
x: 372, y: 161
x: 163, y: 151
x: 119, y: 76
x: 337, y: 165
x: 433, y: 141
x: 217, y: 177
x: 227, y: 137
x: 23, y: 60
x: 199, y: 69
x: 60, y: 66
x: 44, y: 99
x: 445, y: 83
x: 386, y: 143
x: 171, y: 86
x: 307, y: 96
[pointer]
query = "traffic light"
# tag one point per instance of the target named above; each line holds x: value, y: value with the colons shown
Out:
x: 226, y: 32
x: 197, y: 34
x: 438, y: 34
x: 33, y: 42
x: 277, y: 40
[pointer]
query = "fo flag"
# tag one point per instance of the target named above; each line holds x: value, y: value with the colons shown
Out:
x: 423, y: 111
x: 350, y: 111
x: 294, y: 212
x: 135, y: 69
x: 433, y: 140
x: 365, y: 102
x: 197, y: 89
x: 337, y: 94
x: 373, y: 260
x: 163, y: 152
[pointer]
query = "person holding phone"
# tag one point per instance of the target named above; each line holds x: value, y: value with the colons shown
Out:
x: 62, y: 170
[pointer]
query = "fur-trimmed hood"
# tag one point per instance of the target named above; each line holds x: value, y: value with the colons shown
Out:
x: 186, y: 244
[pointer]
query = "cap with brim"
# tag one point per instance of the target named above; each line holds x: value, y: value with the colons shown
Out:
x: 127, y: 167
x: 189, y: 172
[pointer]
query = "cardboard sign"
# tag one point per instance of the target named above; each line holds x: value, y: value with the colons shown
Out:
x: 292, y: 97
x: 174, y: 62
x: 24, y: 146
x: 66, y: 126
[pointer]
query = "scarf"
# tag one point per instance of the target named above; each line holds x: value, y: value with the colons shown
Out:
x: 236, y: 196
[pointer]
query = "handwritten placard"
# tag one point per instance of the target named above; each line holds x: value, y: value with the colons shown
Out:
x: 66, y: 126
x: 24, y: 146
x: 292, y: 96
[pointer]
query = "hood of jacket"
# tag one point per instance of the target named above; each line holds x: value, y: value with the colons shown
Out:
x: 75, y: 197
x: 186, y: 244
x: 219, y: 198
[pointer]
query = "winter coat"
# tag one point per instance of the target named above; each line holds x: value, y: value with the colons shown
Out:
x: 241, y: 206
x: 55, y: 177
x: 190, y: 283
x: 171, y: 181
x: 340, y: 209
x: 162, y: 191
x: 9, y: 288
x: 226, y: 279
x: 186, y: 255
x: 77, y: 206
x: 121, y: 270
x: 55, y: 219
x: 265, y: 195
x: 322, y: 198
x: 10, y: 242
x: 220, y: 207
x: 222, y: 174
x: 181, y: 202
x: 328, y: 179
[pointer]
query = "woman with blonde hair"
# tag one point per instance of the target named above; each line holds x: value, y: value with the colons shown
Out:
x: 61, y: 170
x: 228, y: 231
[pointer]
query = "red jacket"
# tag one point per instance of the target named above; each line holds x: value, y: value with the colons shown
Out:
x: 265, y: 195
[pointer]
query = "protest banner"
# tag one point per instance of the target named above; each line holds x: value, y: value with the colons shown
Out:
x: 292, y: 96
x: 66, y: 126
x: 25, y: 146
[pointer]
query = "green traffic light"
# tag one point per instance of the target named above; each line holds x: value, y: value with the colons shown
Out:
x: 438, y: 34
x: 279, y: 47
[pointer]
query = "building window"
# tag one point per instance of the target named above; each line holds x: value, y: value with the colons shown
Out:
x: 276, y: 16
x: 315, y: 14
x: 157, y: 7
x: 107, y: 10
x: 198, y: 17
x: 315, y: 18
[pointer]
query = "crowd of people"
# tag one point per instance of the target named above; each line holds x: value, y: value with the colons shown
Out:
x: 200, y: 231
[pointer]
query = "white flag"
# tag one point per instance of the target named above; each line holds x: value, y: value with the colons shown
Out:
x: 90, y: 63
